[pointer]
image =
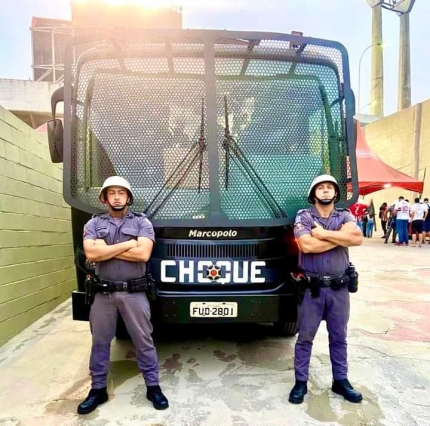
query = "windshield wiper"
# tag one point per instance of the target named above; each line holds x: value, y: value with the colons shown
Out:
x: 226, y: 143
x: 202, y: 144
x: 180, y: 173
x: 233, y: 150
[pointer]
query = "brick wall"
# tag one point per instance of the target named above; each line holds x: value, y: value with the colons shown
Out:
x: 36, y: 252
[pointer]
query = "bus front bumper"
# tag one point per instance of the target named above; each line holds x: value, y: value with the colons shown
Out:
x: 207, y: 308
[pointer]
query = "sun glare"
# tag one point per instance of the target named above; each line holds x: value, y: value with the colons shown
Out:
x: 148, y: 4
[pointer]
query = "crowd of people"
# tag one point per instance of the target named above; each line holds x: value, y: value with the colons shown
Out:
x: 401, y: 219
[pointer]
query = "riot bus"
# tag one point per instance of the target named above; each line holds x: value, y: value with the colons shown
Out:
x: 220, y: 134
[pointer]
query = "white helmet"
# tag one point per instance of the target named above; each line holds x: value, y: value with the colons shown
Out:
x: 116, y: 181
x: 317, y: 181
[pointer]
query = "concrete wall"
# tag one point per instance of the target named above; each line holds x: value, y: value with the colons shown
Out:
x: 29, y: 100
x: 26, y: 95
x: 392, y: 140
x: 36, y: 252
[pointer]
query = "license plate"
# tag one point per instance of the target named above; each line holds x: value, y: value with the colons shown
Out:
x: 213, y: 309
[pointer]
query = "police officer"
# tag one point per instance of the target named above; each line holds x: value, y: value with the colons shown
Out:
x: 120, y: 242
x: 324, y: 234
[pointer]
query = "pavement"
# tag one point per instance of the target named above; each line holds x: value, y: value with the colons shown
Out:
x: 241, y: 375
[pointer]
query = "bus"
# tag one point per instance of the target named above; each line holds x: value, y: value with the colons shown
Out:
x: 220, y: 134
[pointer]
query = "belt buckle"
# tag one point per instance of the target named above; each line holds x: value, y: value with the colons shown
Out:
x: 105, y: 286
x: 326, y: 280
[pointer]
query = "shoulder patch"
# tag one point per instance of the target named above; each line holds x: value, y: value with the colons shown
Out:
x: 298, y: 221
x: 298, y: 226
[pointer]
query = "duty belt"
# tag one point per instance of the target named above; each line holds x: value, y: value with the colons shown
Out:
x: 131, y: 286
x: 333, y: 281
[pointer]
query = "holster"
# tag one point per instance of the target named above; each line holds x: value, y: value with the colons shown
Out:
x: 89, y: 289
x: 152, y: 288
x: 301, y: 283
x: 314, y: 288
x: 353, y: 278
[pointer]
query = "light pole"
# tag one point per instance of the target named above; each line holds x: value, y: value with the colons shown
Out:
x: 359, y: 71
x: 403, y: 8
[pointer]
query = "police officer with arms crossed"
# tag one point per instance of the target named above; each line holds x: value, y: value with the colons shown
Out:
x: 120, y: 242
x: 324, y: 234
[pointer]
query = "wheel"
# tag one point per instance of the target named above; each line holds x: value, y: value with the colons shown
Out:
x: 285, y: 328
x: 121, y: 330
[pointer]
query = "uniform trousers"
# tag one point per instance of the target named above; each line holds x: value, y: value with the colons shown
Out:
x: 333, y: 307
x: 135, y: 311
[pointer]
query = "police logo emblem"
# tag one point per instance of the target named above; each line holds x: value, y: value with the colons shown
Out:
x: 214, y: 273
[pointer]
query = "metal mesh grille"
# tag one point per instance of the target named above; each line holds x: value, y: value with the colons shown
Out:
x: 135, y: 118
x: 231, y: 251
x: 278, y: 117
x: 140, y: 110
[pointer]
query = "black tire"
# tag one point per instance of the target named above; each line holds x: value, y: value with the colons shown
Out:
x: 286, y: 328
x: 121, y: 330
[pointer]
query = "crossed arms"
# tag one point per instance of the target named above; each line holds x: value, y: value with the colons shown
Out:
x: 132, y: 251
x: 321, y: 240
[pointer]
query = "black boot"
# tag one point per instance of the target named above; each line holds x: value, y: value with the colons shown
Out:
x: 155, y: 395
x: 93, y: 400
x: 344, y: 388
x: 298, y: 392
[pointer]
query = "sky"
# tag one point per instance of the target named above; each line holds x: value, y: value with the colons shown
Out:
x: 346, y: 21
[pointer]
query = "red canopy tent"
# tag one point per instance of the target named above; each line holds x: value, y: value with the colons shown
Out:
x: 374, y: 174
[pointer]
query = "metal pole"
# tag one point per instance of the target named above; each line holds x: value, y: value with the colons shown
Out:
x: 404, y: 88
x: 32, y: 53
x: 377, y: 77
x: 359, y: 76
x: 53, y: 56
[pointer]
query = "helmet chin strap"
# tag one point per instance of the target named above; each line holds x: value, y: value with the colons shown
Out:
x: 117, y: 208
x: 325, y: 202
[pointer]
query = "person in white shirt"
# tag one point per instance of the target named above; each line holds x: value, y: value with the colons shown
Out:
x: 402, y: 220
x: 419, y: 212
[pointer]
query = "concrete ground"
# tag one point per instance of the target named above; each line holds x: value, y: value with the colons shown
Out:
x: 241, y: 375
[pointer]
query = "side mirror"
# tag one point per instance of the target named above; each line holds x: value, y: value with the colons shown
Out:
x: 55, y: 128
x: 355, y: 123
x: 55, y: 140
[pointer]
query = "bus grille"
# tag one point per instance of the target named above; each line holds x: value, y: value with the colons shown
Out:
x: 219, y: 251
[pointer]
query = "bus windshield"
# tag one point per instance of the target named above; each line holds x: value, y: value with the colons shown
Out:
x: 236, y: 128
